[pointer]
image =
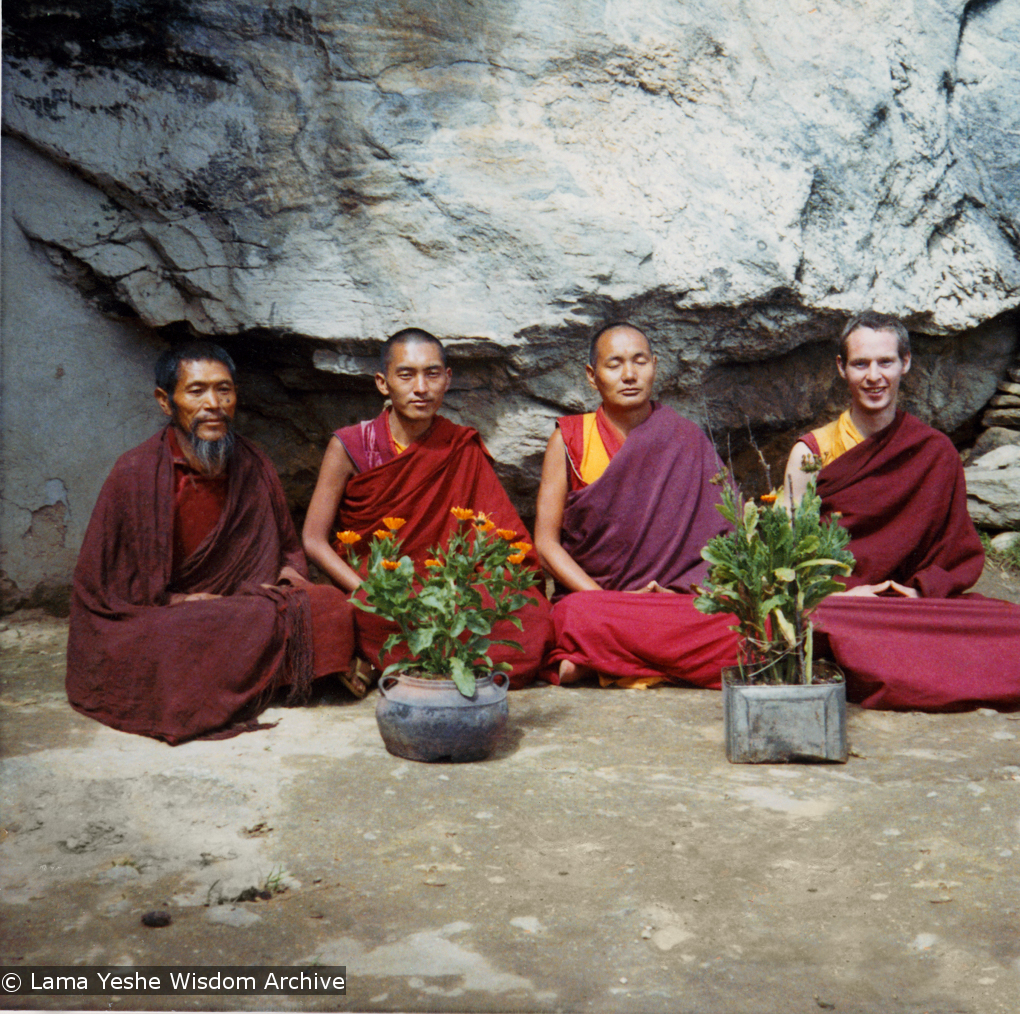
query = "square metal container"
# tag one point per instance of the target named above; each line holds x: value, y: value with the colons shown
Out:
x: 779, y: 724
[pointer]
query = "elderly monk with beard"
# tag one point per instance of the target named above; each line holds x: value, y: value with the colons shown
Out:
x: 191, y: 605
x: 412, y: 463
x: 905, y: 632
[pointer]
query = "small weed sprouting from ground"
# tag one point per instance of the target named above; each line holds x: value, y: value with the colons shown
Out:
x: 276, y: 882
x: 1005, y: 559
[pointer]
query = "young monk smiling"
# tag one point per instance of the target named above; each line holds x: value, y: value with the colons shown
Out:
x: 904, y: 632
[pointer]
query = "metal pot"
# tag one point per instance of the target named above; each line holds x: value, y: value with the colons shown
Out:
x: 431, y: 720
x: 789, y: 722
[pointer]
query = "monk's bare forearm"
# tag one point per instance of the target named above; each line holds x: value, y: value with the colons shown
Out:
x: 322, y: 554
x: 335, y: 471
x: 552, y: 498
x: 559, y: 564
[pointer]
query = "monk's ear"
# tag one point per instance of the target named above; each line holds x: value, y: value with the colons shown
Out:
x: 906, y: 363
x: 589, y: 372
x: 841, y: 367
x: 380, y: 383
x: 164, y: 402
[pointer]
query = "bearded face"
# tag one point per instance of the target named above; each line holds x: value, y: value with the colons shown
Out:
x: 202, y: 410
x: 212, y: 456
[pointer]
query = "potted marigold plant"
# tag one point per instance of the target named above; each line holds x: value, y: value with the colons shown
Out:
x: 446, y: 699
x: 770, y: 573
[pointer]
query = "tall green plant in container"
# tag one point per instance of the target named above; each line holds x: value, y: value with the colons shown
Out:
x: 770, y: 573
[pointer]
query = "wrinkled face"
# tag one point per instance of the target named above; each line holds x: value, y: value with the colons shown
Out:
x: 624, y: 370
x: 204, y: 402
x: 415, y: 381
x: 873, y: 369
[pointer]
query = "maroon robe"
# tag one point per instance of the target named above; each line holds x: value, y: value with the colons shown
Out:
x: 138, y: 664
x: 646, y: 519
x: 902, y: 496
x: 447, y: 467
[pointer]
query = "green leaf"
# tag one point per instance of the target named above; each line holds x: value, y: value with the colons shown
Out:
x: 420, y: 639
x: 821, y: 562
x: 462, y: 676
x: 477, y: 623
x: 784, y: 573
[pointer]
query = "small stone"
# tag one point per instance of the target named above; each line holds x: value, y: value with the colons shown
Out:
x: 229, y: 915
x: 1008, y: 417
x: 1002, y: 734
x: 1002, y: 457
x: 996, y: 436
x: 528, y: 923
x: 1004, y: 541
x: 156, y: 919
x: 1005, y: 400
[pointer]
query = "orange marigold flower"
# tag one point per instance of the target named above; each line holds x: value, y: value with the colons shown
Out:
x: 485, y: 525
x: 462, y: 513
x: 517, y: 557
x: 381, y: 533
x: 769, y: 497
x: 432, y: 563
x: 394, y: 524
x: 521, y: 547
x: 348, y: 538
x: 390, y: 564
x: 506, y: 534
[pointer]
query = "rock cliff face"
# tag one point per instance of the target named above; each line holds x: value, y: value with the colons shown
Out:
x: 301, y: 179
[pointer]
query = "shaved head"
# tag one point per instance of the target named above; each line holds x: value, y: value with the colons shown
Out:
x: 615, y: 325
x: 408, y: 336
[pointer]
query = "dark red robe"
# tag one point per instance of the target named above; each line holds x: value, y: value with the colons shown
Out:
x: 138, y: 664
x: 903, y: 497
x: 646, y: 519
x: 447, y: 467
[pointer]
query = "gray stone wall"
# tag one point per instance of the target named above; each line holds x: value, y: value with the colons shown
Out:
x: 300, y: 179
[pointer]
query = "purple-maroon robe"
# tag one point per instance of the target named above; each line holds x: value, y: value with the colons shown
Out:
x: 646, y: 518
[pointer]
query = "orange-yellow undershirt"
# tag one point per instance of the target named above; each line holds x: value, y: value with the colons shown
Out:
x: 837, y: 437
x: 595, y: 459
x: 397, y: 448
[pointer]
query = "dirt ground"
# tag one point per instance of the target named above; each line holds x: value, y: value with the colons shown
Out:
x: 607, y: 858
